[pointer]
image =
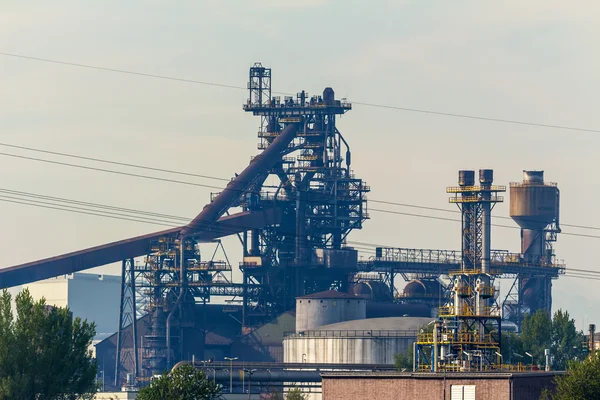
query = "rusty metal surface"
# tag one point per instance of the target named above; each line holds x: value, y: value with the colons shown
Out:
x: 261, y: 163
x: 533, y: 206
x: 128, y: 248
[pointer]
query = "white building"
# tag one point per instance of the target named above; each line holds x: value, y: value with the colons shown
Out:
x: 89, y: 296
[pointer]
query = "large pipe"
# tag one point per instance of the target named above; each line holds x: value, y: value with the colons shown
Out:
x: 486, y: 177
x: 434, y: 356
x: 222, y: 365
x: 263, y: 162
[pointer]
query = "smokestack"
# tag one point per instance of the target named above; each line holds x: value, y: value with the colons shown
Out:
x: 486, y: 177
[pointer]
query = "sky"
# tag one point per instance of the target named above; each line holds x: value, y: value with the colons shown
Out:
x: 528, y: 61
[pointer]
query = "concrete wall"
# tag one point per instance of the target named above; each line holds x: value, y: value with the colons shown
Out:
x: 344, y: 350
x: 53, y: 290
x: 313, y: 313
x: 89, y: 296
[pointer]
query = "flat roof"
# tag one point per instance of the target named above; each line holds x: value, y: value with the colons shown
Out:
x: 330, y: 294
x: 438, y: 375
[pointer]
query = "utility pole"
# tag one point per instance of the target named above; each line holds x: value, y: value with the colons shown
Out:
x: 250, y: 372
x: 231, y: 360
x: 592, y: 328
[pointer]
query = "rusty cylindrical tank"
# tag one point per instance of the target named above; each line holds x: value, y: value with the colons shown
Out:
x: 533, y: 203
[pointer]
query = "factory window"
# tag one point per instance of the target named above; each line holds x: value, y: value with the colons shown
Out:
x: 462, y: 392
x: 321, y: 301
x: 309, y: 301
x: 334, y: 303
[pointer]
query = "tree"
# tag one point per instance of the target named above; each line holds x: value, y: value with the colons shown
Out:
x: 581, y: 382
x: 185, y: 383
x: 566, y: 340
x: 539, y: 332
x: 271, y: 394
x: 44, y: 351
x: 536, y: 334
x: 512, y: 348
x: 404, y: 360
x: 295, y: 394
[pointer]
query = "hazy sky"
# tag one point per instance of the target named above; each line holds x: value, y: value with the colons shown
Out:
x: 535, y: 61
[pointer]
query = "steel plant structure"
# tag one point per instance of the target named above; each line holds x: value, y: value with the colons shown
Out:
x: 466, y: 335
x: 320, y: 199
x: 317, y: 203
x: 293, y: 236
x: 469, y: 324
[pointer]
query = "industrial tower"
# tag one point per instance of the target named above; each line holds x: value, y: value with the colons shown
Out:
x: 320, y: 199
x: 535, y: 207
x: 466, y: 335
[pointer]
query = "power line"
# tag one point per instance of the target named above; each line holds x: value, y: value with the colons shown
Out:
x: 474, y: 117
x: 366, y: 104
x: 96, y: 205
x: 80, y: 212
x: 458, y: 220
x: 458, y: 212
x: 111, y: 171
x: 101, y: 160
x: 122, y: 71
x: 220, y: 188
x: 168, y: 220
x: 363, y: 247
x: 579, y: 273
x: 141, y: 216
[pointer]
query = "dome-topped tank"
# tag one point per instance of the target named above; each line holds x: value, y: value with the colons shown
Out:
x: 372, y: 290
x: 533, y: 203
x: 422, y: 288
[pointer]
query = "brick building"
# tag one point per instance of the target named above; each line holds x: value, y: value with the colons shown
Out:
x: 449, y: 386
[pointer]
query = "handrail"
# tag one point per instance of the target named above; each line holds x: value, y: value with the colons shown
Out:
x: 352, y: 333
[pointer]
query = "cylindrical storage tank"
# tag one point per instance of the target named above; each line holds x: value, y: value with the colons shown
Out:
x: 324, y: 308
x: 533, y: 203
x: 486, y: 176
x: 370, y: 341
x: 533, y: 177
x: 328, y: 96
x: 466, y: 178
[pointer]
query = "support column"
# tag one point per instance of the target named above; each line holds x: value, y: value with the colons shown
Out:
x: 127, y: 316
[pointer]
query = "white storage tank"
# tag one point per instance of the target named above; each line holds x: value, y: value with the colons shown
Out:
x: 368, y: 341
x: 324, y: 308
x: 363, y: 341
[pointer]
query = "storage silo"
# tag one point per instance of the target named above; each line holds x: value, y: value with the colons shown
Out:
x: 534, y: 206
x: 324, y: 308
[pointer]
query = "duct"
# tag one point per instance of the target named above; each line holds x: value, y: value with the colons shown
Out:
x: 264, y: 161
x: 128, y: 248
x: 267, y: 376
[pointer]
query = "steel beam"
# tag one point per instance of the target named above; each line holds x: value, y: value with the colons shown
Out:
x: 129, y: 248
